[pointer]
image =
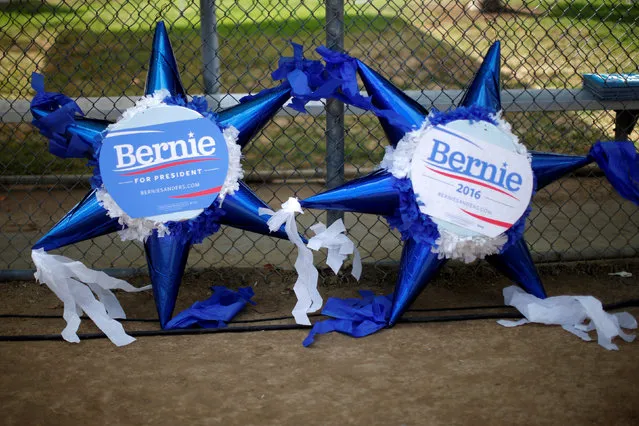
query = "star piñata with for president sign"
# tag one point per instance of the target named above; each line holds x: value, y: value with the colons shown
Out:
x: 168, y: 174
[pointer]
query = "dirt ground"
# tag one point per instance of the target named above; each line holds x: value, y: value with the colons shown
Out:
x: 437, y: 373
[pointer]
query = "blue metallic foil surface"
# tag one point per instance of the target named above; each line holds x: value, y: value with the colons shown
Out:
x: 163, y: 70
x: 88, y: 219
x: 549, y: 167
x: 485, y: 90
x: 373, y: 193
x: 517, y: 264
x: 250, y: 116
x: 418, y: 266
x: 166, y: 258
x: 386, y: 96
x: 241, y: 211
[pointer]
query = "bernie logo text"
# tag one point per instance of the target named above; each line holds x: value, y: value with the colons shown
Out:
x: 474, y: 170
x: 132, y: 161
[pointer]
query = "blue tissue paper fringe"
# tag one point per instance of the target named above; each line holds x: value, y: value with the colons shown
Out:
x: 472, y: 113
x: 61, y: 112
x: 620, y: 163
x: 311, y: 81
x: 354, y: 317
x: 200, y: 227
x: 306, y: 78
x: 197, y: 104
x: 408, y: 219
x: 342, y: 72
x: 214, y: 312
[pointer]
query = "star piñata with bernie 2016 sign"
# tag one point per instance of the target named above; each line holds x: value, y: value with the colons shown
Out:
x: 458, y: 185
x: 167, y: 173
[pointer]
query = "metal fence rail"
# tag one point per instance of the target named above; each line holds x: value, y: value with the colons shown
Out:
x: 97, y: 51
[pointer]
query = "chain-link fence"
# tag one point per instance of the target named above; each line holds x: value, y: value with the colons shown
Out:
x: 99, y: 50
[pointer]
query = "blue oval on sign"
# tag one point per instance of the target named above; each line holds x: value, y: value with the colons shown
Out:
x: 165, y: 163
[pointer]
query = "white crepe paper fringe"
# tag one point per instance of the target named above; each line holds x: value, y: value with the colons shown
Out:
x: 142, y: 104
x: 136, y: 228
x: 575, y: 314
x: 467, y: 249
x: 235, y: 172
x: 398, y: 162
x: 338, y: 244
x: 139, y: 229
x: 505, y: 127
x: 308, y: 298
x: 74, y: 284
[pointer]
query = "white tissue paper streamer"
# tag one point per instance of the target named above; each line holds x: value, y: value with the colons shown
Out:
x: 622, y: 274
x: 308, y: 298
x: 571, y: 312
x: 74, y: 284
x: 338, y: 244
x: 398, y: 162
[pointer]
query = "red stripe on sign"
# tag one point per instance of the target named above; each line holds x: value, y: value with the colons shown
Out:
x: 489, y: 220
x: 167, y: 165
x: 199, y: 193
x: 476, y: 182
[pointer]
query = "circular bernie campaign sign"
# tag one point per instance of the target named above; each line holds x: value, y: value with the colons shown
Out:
x: 165, y: 163
x: 471, y: 178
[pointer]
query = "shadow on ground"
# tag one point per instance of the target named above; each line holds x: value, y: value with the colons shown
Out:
x: 83, y: 62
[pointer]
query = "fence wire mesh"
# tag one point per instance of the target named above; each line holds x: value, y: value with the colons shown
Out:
x: 101, y: 49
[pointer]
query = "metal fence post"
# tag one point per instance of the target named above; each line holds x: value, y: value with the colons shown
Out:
x: 334, y: 108
x: 210, y: 46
